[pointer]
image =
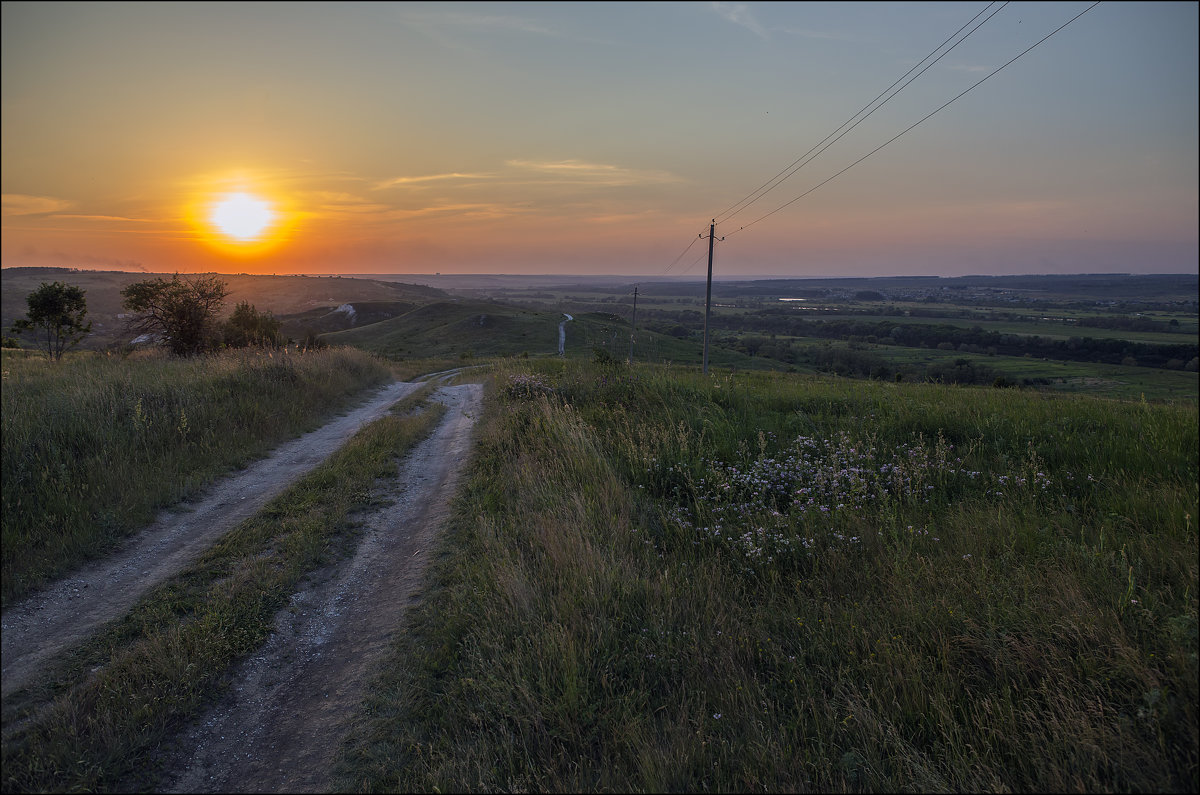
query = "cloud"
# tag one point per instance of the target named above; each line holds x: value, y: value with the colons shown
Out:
x: 104, y: 218
x: 22, y: 204
x: 397, y: 181
x: 475, y: 210
x: 579, y: 171
x: 336, y: 203
x: 739, y: 14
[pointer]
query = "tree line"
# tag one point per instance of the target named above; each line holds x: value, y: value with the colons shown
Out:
x: 181, y: 315
x: 947, y: 337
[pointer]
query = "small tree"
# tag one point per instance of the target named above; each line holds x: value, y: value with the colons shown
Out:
x: 247, y: 326
x: 56, y: 311
x: 181, y: 313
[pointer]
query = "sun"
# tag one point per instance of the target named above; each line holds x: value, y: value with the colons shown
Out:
x: 242, y: 216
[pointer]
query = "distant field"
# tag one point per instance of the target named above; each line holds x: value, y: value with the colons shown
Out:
x: 1042, y: 329
x: 501, y: 317
x: 1100, y: 380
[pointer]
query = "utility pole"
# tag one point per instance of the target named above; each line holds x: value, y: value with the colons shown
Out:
x: 712, y: 229
x: 633, y: 325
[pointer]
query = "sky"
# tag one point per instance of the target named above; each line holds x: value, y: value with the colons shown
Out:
x: 601, y: 138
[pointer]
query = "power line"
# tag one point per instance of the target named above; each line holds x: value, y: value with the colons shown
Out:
x: 695, y: 262
x: 681, y: 255
x: 926, y: 118
x: 792, y: 168
x: 779, y: 177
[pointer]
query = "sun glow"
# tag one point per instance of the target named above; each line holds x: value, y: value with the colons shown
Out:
x: 242, y: 216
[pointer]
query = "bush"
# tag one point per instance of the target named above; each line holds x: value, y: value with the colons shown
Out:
x: 247, y: 326
x: 181, y: 313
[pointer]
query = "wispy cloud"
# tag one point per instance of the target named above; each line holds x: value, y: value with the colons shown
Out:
x: 347, y: 207
x: 338, y: 203
x: 594, y: 173
x: 468, y: 210
x: 418, y: 181
x: 104, y: 218
x: 739, y: 14
x: 23, y: 204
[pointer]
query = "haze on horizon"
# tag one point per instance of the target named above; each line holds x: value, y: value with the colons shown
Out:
x: 597, y: 138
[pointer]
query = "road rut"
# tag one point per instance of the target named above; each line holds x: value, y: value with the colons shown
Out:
x: 278, y: 727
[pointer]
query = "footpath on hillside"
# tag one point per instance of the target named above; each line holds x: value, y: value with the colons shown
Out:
x: 66, y: 613
x: 277, y: 728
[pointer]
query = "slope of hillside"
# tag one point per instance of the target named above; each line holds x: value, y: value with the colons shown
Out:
x: 480, y: 329
x: 445, y: 328
x: 325, y: 319
x: 280, y: 295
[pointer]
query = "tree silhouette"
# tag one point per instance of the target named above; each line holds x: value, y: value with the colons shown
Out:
x: 180, y: 313
x: 55, y: 318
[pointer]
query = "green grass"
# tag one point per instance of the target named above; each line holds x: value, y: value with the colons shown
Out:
x: 1031, y: 627
x: 468, y: 331
x: 95, y: 445
x: 1090, y: 378
x: 1047, y: 329
x: 99, y: 715
x: 453, y: 329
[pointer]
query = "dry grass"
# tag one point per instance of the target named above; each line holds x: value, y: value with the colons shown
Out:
x: 578, y: 636
x: 95, y: 444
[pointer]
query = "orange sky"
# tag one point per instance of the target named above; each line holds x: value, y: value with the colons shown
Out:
x: 598, y: 138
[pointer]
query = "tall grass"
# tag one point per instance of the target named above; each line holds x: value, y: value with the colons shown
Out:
x: 94, y: 445
x: 1000, y: 595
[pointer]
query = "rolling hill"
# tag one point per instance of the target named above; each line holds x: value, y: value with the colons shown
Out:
x: 303, y: 299
x: 478, y: 329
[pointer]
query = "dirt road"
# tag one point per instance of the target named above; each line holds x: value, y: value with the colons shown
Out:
x: 277, y: 729
x: 65, y: 614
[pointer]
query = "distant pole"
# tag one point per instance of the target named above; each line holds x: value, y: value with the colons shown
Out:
x: 633, y: 325
x: 712, y: 229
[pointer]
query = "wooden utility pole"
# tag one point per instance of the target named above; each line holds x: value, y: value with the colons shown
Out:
x: 633, y: 325
x: 712, y: 228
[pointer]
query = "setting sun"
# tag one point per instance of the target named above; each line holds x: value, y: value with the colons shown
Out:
x: 242, y: 216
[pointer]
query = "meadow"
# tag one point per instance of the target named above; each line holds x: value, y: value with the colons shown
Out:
x: 96, y: 444
x: 757, y: 581
x: 653, y: 579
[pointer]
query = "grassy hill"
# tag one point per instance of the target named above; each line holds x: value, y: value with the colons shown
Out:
x: 652, y: 580
x: 478, y: 329
x: 452, y: 328
x: 281, y: 295
x: 657, y: 581
x: 324, y: 319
